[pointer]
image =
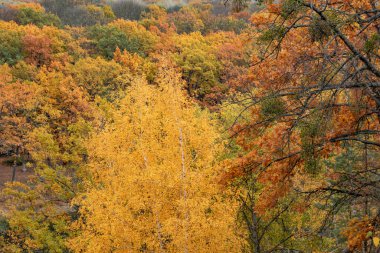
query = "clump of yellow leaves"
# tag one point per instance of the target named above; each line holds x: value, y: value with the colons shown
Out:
x: 152, y: 184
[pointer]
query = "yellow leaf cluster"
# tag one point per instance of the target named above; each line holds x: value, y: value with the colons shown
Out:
x: 152, y: 181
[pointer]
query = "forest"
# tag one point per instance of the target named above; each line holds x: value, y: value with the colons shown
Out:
x: 193, y: 126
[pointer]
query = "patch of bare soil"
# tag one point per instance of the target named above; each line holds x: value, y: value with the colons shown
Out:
x: 6, y: 173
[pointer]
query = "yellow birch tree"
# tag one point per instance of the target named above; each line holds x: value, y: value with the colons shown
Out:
x: 152, y: 178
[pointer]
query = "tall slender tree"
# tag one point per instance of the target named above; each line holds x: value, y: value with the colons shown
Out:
x: 151, y: 185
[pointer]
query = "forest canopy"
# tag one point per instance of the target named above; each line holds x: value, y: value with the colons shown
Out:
x: 190, y: 126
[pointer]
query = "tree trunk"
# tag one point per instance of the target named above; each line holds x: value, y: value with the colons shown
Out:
x: 158, y: 224
x: 24, y: 169
x: 255, y: 234
x: 14, y: 167
x: 184, y: 192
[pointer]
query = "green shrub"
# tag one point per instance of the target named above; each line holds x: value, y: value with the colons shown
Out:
x: 10, y: 47
x: 30, y: 16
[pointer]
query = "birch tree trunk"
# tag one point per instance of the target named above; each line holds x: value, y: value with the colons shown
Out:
x: 184, y: 192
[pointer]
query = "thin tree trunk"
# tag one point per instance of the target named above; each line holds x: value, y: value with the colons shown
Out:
x: 254, y: 225
x: 184, y: 192
x: 158, y: 224
x: 14, y: 167
x: 24, y: 169
x: 255, y: 234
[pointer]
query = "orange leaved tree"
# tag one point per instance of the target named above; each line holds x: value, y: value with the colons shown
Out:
x: 314, y: 111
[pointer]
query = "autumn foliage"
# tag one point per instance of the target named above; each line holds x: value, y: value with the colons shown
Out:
x: 190, y: 128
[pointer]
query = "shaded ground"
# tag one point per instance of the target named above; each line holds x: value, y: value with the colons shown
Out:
x: 6, y: 173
